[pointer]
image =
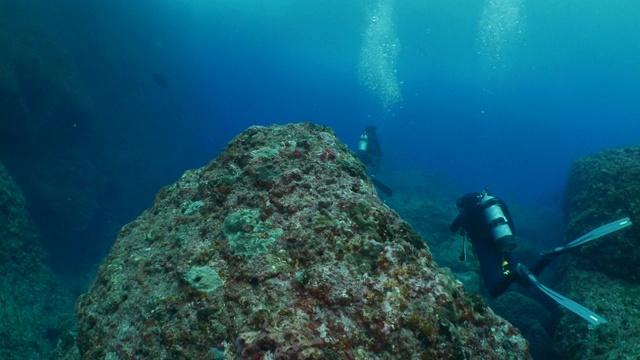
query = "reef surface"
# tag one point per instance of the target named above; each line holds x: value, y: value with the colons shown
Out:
x: 604, y: 274
x: 281, y: 249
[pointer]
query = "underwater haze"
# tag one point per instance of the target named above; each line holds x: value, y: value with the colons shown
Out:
x: 104, y: 102
x: 501, y: 94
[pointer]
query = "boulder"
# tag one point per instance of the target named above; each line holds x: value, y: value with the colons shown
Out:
x: 281, y: 249
x: 604, y: 274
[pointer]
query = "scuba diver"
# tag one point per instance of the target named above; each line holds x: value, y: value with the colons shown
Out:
x: 485, y: 220
x: 370, y: 153
x: 369, y: 150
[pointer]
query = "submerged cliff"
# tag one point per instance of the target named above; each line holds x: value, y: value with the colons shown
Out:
x: 281, y: 249
x: 34, y: 309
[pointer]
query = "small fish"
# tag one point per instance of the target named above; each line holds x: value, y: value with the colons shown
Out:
x: 160, y: 80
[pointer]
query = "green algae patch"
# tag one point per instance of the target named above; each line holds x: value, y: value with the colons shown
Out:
x: 323, y: 219
x: 265, y: 152
x: 204, y: 278
x: 248, y: 236
x: 340, y: 282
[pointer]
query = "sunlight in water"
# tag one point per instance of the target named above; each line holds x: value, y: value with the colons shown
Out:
x: 378, y: 56
x: 501, y: 26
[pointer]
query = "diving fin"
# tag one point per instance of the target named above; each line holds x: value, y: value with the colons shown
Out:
x: 382, y: 187
x: 590, y: 236
x: 593, y: 318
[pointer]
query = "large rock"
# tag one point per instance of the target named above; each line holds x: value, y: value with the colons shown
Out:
x: 603, y: 188
x: 281, y: 249
x: 604, y: 274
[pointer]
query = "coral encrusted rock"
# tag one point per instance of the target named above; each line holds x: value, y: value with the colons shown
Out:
x: 602, y: 188
x: 603, y: 275
x: 281, y: 249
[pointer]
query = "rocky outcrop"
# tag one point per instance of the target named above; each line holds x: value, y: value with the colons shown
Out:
x: 280, y: 248
x: 604, y: 274
x: 603, y: 188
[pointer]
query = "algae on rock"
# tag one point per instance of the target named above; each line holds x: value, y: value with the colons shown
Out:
x: 603, y: 274
x: 303, y: 261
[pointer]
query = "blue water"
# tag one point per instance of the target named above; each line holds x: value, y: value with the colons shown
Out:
x: 502, y: 94
x: 564, y: 88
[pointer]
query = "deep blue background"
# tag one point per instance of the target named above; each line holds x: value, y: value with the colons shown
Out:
x: 568, y: 86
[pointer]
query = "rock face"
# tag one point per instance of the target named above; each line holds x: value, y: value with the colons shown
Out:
x: 604, y: 275
x: 603, y: 188
x: 33, y: 310
x: 281, y: 249
x: 48, y: 138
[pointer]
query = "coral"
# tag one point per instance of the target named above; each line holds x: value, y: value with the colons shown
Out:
x: 290, y: 254
x: 248, y: 236
x: 204, y: 278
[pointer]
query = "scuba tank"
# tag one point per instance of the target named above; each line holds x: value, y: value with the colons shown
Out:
x: 363, y: 143
x: 498, y: 223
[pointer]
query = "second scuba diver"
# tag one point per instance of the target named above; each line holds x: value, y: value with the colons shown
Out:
x: 369, y: 150
x: 370, y: 153
x: 486, y: 221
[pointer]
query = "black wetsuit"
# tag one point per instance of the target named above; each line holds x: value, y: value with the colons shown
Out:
x: 491, y: 258
x: 372, y: 155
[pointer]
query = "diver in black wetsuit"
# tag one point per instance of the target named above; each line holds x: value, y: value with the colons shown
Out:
x: 369, y: 150
x: 488, y: 224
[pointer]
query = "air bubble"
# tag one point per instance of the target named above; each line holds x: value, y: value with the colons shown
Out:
x: 501, y: 26
x: 378, y: 54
